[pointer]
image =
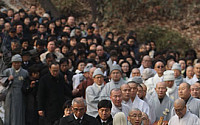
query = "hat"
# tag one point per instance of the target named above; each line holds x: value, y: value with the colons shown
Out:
x: 176, y: 66
x: 3, y: 9
x: 168, y: 75
x: 88, y: 67
x: 97, y: 72
x: 147, y: 73
x: 115, y: 67
x: 16, y: 58
x: 136, y: 79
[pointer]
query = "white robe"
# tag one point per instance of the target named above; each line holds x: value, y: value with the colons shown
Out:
x: 164, y: 108
x: 172, y: 92
x: 125, y: 109
x: 193, y: 105
x: 190, y: 81
x: 152, y: 115
x: 105, y: 94
x: 151, y: 83
x: 92, y: 98
x: 141, y: 105
x: 188, y: 119
x: 194, y: 79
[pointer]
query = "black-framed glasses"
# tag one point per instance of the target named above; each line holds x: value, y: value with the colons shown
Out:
x: 160, y: 66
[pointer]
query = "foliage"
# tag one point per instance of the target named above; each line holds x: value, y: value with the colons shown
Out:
x: 164, y: 38
x: 2, y: 4
x: 71, y: 7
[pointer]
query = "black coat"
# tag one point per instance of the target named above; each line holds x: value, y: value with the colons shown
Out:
x: 70, y: 120
x: 109, y: 121
x: 52, y: 93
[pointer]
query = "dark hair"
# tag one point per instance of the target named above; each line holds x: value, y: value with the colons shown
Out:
x: 64, y: 60
x: 67, y: 104
x: 50, y: 55
x: 53, y: 63
x: 104, y: 104
x: 33, y: 69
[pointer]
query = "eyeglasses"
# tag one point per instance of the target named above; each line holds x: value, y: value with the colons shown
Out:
x: 160, y: 66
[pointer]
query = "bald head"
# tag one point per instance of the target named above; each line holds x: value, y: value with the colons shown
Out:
x: 135, y: 72
x: 126, y: 90
x: 184, y: 91
x: 163, y: 84
x: 161, y: 89
x: 179, y: 102
x: 195, y: 90
x: 146, y: 62
x: 180, y: 107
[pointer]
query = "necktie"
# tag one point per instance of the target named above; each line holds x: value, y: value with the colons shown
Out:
x: 78, y: 121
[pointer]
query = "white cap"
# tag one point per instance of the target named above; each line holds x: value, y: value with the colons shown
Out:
x: 168, y: 75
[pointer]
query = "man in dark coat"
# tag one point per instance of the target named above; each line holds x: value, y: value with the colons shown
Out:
x: 104, y: 113
x: 78, y: 117
x: 52, y: 93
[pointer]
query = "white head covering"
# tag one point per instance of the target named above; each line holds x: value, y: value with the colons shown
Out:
x: 119, y: 119
x: 168, y: 75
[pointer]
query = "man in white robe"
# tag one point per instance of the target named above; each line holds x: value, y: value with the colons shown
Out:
x: 136, y: 101
x: 196, y: 76
x: 195, y: 90
x: 193, y: 104
x: 93, y: 93
x: 158, y: 77
x: 117, y: 105
x: 162, y: 102
x: 146, y: 63
x: 172, y: 89
x: 116, y: 82
x: 189, y: 75
x: 183, y: 116
x: 177, y: 74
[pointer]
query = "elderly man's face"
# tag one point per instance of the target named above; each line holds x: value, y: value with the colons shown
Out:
x: 197, y: 69
x: 16, y: 65
x: 116, y: 98
x: 161, y: 90
x: 183, y: 91
x: 146, y: 62
x: 190, y: 72
x: 169, y: 83
x: 99, y: 79
x: 195, y: 91
x: 180, y: 110
x: 54, y: 70
x: 135, y: 72
x: 78, y: 109
x: 104, y: 113
x: 159, y: 67
x: 135, y: 117
x: 116, y: 75
x: 140, y: 92
x: 125, y: 92
x: 134, y: 89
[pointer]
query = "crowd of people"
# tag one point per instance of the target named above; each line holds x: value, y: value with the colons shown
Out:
x: 57, y: 71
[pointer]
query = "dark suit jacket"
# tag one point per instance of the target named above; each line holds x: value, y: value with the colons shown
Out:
x: 109, y: 121
x: 70, y: 120
x: 52, y: 93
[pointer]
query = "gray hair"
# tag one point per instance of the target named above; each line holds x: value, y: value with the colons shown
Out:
x: 79, y: 100
x: 134, y: 109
